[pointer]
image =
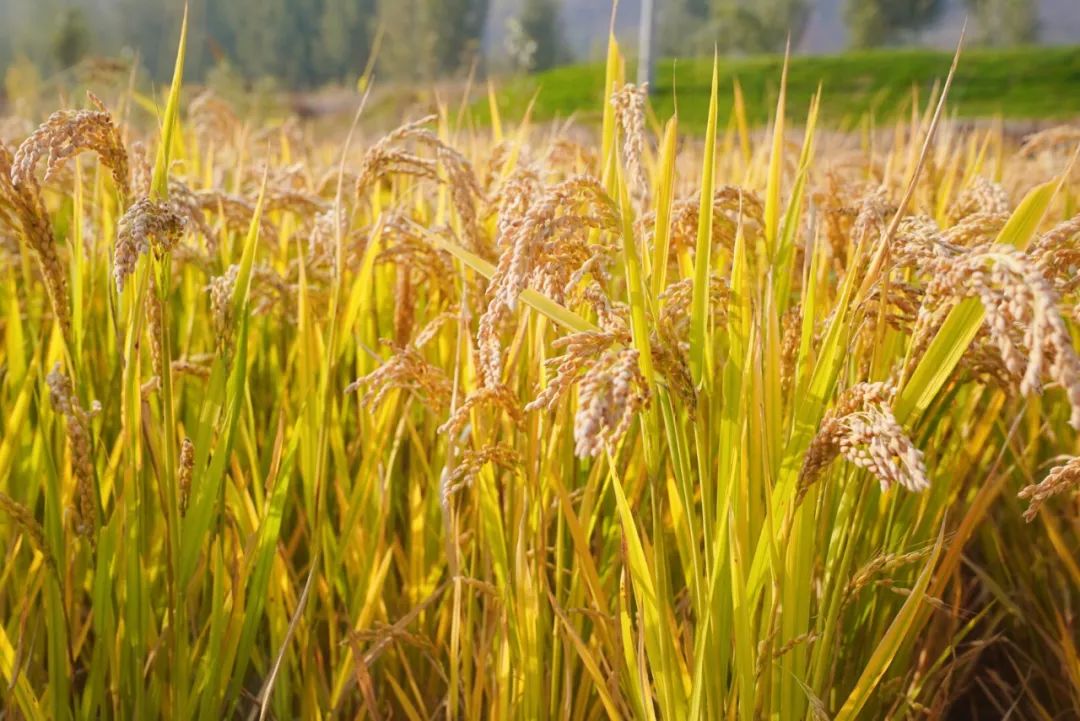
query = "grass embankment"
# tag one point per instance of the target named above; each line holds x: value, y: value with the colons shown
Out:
x: 1017, y: 83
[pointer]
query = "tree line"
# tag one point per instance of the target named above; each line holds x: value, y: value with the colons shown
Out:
x: 760, y: 26
x: 307, y: 43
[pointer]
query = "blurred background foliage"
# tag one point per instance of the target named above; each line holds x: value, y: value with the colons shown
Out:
x: 303, y: 44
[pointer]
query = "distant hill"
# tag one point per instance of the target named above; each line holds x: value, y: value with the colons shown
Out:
x: 585, y: 24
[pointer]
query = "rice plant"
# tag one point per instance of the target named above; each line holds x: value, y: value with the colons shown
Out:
x: 483, y: 421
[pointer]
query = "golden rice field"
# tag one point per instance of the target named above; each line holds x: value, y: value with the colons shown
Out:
x: 490, y: 422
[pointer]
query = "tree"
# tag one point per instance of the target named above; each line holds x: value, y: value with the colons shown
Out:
x: 732, y: 26
x: 263, y: 44
x: 72, y: 38
x: 683, y: 28
x: 1005, y: 22
x: 345, y: 31
x: 866, y: 23
x: 760, y: 26
x: 458, y: 26
x: 151, y: 28
x: 781, y: 19
x: 519, y: 47
x: 301, y: 39
x: 880, y: 22
x: 540, y: 24
x: 427, y: 38
x: 407, y: 52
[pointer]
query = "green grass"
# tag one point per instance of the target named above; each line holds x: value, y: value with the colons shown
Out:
x: 1015, y: 83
